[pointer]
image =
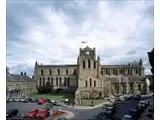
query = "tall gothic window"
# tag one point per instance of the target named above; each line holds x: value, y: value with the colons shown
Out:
x: 90, y: 82
x: 86, y: 83
x: 50, y: 72
x: 40, y: 81
x: 64, y: 81
x: 131, y: 86
x: 66, y: 71
x: 136, y: 71
x: 84, y: 64
x: 41, y: 71
x: 58, y: 72
x: 68, y: 81
x: 94, y: 83
x: 51, y: 81
x: 75, y: 71
x: 89, y: 63
x: 43, y: 81
x: 139, y: 87
x: 102, y: 71
x: 48, y: 80
x: 94, y: 64
x: 140, y: 72
x: 121, y: 71
x: 56, y: 81
x: 60, y: 81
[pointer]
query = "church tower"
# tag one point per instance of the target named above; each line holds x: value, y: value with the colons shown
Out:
x: 88, y: 68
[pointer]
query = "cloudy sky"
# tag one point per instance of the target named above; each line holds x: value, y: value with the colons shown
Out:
x: 51, y: 32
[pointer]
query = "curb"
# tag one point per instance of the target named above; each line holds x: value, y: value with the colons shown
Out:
x: 84, y: 107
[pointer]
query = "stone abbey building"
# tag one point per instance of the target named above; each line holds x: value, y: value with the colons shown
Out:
x: 91, y: 79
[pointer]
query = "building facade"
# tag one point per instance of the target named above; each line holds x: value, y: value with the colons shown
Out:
x: 19, y: 85
x: 90, y: 79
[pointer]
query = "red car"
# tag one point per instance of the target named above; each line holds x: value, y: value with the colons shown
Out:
x: 32, y: 114
x: 43, y: 114
x: 41, y: 101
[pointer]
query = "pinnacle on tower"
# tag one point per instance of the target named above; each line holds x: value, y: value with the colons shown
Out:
x: 140, y: 62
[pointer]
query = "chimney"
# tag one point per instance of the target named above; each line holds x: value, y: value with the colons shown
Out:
x: 21, y: 73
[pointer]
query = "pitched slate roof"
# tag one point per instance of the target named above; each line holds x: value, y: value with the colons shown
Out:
x: 14, y: 77
x: 58, y: 66
x: 117, y: 66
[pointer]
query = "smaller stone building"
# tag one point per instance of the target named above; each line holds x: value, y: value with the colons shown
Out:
x: 19, y: 85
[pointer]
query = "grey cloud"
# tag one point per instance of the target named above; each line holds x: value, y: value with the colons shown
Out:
x: 131, y: 52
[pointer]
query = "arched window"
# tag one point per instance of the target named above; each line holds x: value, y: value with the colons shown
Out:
x: 136, y: 71
x: 48, y: 80
x: 86, y: 83
x: 139, y: 87
x: 131, y: 86
x: 75, y: 71
x: 84, y: 64
x: 58, y: 72
x: 64, y: 81
x: 41, y: 71
x: 60, y: 81
x: 121, y: 71
x: 40, y: 81
x: 43, y: 81
x: 89, y: 63
x: 66, y: 71
x: 56, y: 81
x: 94, y: 64
x: 68, y: 81
x: 51, y: 81
x: 90, y: 82
x: 140, y: 72
x: 94, y: 83
x: 102, y: 71
x: 50, y: 72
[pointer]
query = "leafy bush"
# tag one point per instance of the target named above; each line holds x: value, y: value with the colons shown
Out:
x: 45, y: 89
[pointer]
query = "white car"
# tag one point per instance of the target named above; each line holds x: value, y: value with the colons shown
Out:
x: 127, y: 117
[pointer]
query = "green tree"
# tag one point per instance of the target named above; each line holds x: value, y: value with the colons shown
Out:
x: 151, y: 61
x: 45, y: 89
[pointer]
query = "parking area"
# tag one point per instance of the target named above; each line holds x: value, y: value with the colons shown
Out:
x: 79, y: 114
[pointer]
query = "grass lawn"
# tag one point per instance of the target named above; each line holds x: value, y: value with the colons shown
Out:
x: 95, y: 102
x: 54, y: 96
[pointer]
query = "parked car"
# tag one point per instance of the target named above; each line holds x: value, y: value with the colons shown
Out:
x: 29, y: 99
x: 63, y: 118
x: 143, y: 104
x: 26, y: 100
x: 9, y: 99
x: 33, y: 100
x: 11, y: 113
x: 41, y: 101
x: 31, y: 114
x: 22, y: 100
x: 49, y: 106
x: 135, y: 113
x: 110, y: 110
x: 127, y: 117
x: 137, y: 97
x: 43, y: 114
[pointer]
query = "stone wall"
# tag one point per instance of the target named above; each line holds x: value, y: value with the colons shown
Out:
x: 29, y: 87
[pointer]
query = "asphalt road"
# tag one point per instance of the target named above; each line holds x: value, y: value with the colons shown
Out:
x: 80, y: 114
